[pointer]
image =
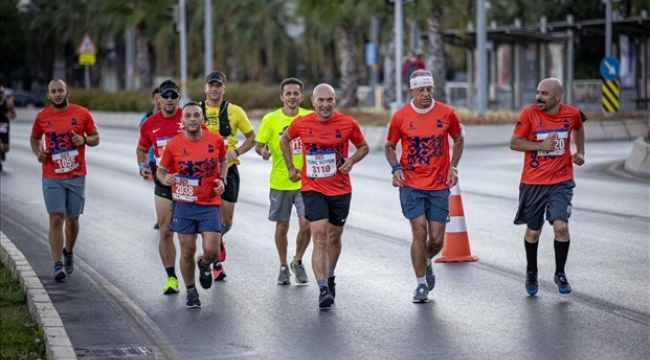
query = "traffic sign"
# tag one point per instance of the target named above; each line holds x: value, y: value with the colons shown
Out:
x: 87, y: 59
x: 86, y: 46
x: 611, y: 93
x: 609, y: 68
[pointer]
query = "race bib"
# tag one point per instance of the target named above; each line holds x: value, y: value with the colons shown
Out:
x: 296, y: 146
x: 321, y: 164
x: 560, y: 143
x: 4, y: 128
x: 160, y: 146
x: 186, y: 189
x: 65, y: 161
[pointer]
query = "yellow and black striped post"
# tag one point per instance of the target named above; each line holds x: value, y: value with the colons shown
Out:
x: 611, y: 94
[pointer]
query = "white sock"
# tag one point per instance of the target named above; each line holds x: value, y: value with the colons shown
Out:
x: 422, y: 280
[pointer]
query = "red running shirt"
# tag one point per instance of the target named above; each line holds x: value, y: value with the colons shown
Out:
x: 325, y: 146
x: 158, y: 130
x: 196, y: 166
x: 66, y: 159
x: 425, y: 144
x: 553, y: 167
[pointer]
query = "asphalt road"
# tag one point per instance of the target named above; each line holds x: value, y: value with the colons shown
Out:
x: 113, y: 307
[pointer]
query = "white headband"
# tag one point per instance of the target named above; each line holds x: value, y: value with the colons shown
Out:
x: 421, y: 81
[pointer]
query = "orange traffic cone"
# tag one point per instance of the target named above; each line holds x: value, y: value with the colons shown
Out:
x: 456, y: 246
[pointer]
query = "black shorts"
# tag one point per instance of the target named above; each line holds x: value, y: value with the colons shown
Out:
x: 334, y: 208
x: 161, y: 190
x: 231, y: 193
x: 535, y: 200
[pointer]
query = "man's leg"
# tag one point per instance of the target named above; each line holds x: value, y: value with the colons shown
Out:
x: 55, y: 235
x: 188, y: 250
x: 319, y: 257
x: 303, y: 238
x: 561, y: 245
x: 71, y: 232
x: 419, y: 251
x: 166, y: 247
x: 281, y: 230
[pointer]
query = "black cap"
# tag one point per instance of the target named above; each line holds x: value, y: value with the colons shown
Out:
x: 168, y: 85
x: 215, y: 76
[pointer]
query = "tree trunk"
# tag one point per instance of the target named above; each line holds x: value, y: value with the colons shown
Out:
x: 349, y: 70
x: 143, y: 68
x: 436, y: 54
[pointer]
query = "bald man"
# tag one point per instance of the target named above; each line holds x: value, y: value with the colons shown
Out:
x: 326, y: 190
x: 544, y: 132
x: 67, y: 129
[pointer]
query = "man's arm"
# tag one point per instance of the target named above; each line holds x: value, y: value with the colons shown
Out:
x: 518, y: 143
x: 37, y: 148
x: 578, y: 157
x: 142, y: 157
x: 457, y: 152
x: 287, y: 154
x: 11, y: 109
x: 263, y: 150
x: 359, y: 154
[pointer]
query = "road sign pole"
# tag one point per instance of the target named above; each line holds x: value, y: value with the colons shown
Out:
x: 87, y: 76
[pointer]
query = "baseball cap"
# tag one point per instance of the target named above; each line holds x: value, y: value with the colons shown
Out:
x: 168, y: 85
x: 215, y: 76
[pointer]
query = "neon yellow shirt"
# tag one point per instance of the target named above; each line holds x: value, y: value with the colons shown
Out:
x: 270, y: 131
x: 238, y: 121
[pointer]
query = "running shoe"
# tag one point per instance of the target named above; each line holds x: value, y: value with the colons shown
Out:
x: 299, y: 270
x: 431, y: 277
x: 59, y: 272
x: 332, y: 285
x: 68, y: 262
x: 531, y: 283
x: 222, y: 256
x: 193, y: 299
x: 325, y: 299
x: 562, y: 283
x: 217, y: 271
x: 284, y: 276
x: 171, y: 287
x: 205, y: 276
x: 421, y: 294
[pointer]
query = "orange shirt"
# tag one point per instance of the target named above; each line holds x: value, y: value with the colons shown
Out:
x: 325, y: 146
x: 425, y: 144
x: 66, y: 159
x: 196, y: 166
x: 546, y: 168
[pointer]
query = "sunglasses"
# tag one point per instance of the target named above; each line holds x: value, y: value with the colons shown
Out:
x: 169, y: 95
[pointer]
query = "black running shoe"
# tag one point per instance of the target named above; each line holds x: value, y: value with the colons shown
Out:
x: 193, y: 299
x: 325, y: 299
x: 59, y: 272
x: 332, y: 285
x: 562, y: 283
x: 68, y: 262
x: 531, y: 283
x: 205, y: 274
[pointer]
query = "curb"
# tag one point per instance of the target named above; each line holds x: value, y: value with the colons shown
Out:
x: 57, y: 342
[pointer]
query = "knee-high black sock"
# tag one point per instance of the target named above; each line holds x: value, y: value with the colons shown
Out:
x: 561, y: 253
x: 531, y: 255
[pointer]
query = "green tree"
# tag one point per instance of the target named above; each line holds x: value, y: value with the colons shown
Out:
x: 12, y: 40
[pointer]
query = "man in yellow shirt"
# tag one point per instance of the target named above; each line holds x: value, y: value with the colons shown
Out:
x: 285, y: 193
x: 226, y: 119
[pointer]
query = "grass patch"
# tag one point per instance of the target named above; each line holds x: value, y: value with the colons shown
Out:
x: 20, y: 336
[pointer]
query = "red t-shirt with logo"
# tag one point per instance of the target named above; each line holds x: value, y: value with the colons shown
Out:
x: 425, y: 144
x: 196, y: 166
x: 66, y: 159
x: 548, y: 167
x: 325, y: 146
x: 157, y: 130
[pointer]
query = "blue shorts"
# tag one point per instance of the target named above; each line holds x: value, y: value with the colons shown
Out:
x: 65, y: 195
x: 195, y: 218
x: 335, y: 208
x: 432, y: 203
x: 534, y: 200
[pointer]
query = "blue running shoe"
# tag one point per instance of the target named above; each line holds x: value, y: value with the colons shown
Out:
x: 431, y: 277
x: 562, y: 283
x: 531, y: 283
x: 59, y: 272
x: 421, y: 294
x: 193, y: 299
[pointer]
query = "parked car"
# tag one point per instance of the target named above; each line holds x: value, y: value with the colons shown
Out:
x: 26, y: 99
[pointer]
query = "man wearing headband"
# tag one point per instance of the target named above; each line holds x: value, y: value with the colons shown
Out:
x: 155, y: 132
x: 424, y: 173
